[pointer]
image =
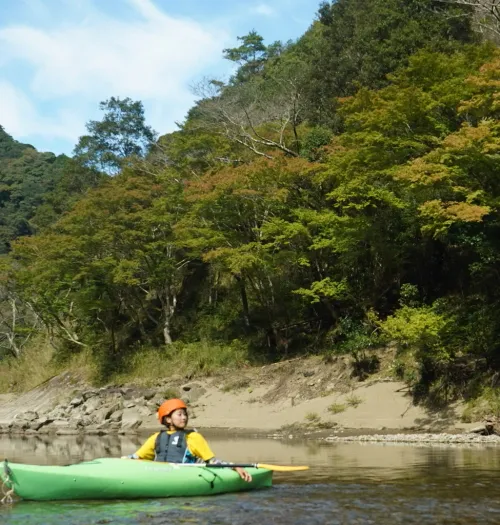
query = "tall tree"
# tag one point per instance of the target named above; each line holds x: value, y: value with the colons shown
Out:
x: 251, y: 56
x: 120, y: 135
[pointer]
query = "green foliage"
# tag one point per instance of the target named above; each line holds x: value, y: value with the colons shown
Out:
x: 336, y: 408
x: 120, y: 135
x: 485, y: 405
x: 250, y: 55
x: 314, y: 142
x: 325, y: 288
x: 408, y: 295
x: 36, y: 188
x: 337, y: 193
x: 354, y: 401
x: 313, y: 417
x: 420, y: 327
x: 359, y: 43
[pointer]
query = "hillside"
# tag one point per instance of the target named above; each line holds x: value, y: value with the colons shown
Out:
x: 338, y: 193
x: 27, y: 177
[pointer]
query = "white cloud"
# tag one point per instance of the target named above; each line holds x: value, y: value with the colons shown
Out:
x: 150, y: 56
x: 264, y: 9
x: 20, y: 118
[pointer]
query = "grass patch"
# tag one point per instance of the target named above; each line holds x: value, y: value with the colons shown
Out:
x: 353, y: 401
x: 315, y: 421
x: 336, y: 408
x: 38, y: 364
x: 292, y: 428
x: 484, y: 406
x: 171, y: 393
x: 325, y: 425
x: 31, y: 369
x: 205, y: 358
x: 147, y: 365
x: 313, y: 417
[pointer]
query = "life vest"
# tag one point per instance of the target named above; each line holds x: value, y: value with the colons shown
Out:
x: 173, y: 448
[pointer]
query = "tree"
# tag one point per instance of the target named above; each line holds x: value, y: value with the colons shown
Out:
x: 120, y: 135
x: 251, y: 55
x: 358, y: 43
x: 485, y: 15
x: 18, y: 321
x: 264, y: 113
x: 109, y: 272
x: 27, y: 177
x: 234, y: 217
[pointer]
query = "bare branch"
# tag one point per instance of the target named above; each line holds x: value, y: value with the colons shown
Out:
x: 262, y: 114
x: 486, y: 15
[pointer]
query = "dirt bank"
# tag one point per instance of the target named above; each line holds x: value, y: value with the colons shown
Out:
x: 294, y: 396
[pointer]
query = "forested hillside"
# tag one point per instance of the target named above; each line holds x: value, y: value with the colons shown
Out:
x: 35, y: 188
x: 338, y: 193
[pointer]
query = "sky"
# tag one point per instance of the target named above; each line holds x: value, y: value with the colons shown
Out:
x: 60, y: 58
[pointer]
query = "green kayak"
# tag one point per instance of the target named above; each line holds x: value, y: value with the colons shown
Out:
x: 110, y: 478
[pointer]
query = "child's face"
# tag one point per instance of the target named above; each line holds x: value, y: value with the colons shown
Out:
x: 178, y: 418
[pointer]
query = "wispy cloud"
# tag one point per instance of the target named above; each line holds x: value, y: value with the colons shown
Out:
x: 264, y: 9
x: 20, y: 117
x: 151, y: 56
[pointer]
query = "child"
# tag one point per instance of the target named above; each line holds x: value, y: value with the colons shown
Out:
x: 176, y: 444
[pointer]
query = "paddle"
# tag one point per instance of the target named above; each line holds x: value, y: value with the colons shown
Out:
x: 276, y: 468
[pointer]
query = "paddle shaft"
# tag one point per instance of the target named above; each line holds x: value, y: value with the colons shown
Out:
x: 277, y: 468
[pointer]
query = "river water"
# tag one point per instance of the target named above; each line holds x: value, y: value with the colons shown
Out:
x: 351, y: 483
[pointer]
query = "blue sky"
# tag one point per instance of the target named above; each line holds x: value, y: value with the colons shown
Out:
x: 60, y: 58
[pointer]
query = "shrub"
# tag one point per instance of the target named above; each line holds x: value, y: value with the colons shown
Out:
x: 313, y: 417
x: 354, y: 401
x: 336, y: 408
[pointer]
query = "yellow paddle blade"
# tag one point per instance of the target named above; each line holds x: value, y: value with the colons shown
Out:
x: 282, y: 468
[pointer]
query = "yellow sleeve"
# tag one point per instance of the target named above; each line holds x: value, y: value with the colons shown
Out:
x: 147, y: 451
x: 198, y: 446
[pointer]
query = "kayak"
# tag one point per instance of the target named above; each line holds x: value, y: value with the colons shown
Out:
x: 111, y: 478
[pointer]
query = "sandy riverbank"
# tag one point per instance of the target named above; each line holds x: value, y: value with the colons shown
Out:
x: 292, y: 397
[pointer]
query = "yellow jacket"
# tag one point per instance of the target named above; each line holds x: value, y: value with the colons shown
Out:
x: 195, y: 442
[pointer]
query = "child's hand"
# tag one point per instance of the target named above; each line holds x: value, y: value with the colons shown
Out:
x: 244, y: 475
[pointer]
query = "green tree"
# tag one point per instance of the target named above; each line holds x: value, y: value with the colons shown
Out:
x: 251, y: 55
x: 110, y: 272
x: 359, y: 43
x: 120, y: 135
x: 27, y: 177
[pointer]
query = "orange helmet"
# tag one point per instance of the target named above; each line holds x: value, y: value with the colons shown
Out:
x: 167, y: 407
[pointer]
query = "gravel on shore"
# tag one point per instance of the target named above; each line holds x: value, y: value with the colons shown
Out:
x: 418, y: 438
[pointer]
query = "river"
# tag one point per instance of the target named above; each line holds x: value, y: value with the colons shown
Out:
x: 348, y: 483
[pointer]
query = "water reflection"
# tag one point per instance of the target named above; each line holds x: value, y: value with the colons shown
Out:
x: 339, y: 461
x: 347, y: 483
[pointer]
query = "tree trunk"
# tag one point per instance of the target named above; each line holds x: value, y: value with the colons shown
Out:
x: 166, y: 332
x: 168, y: 311
x: 244, y: 299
